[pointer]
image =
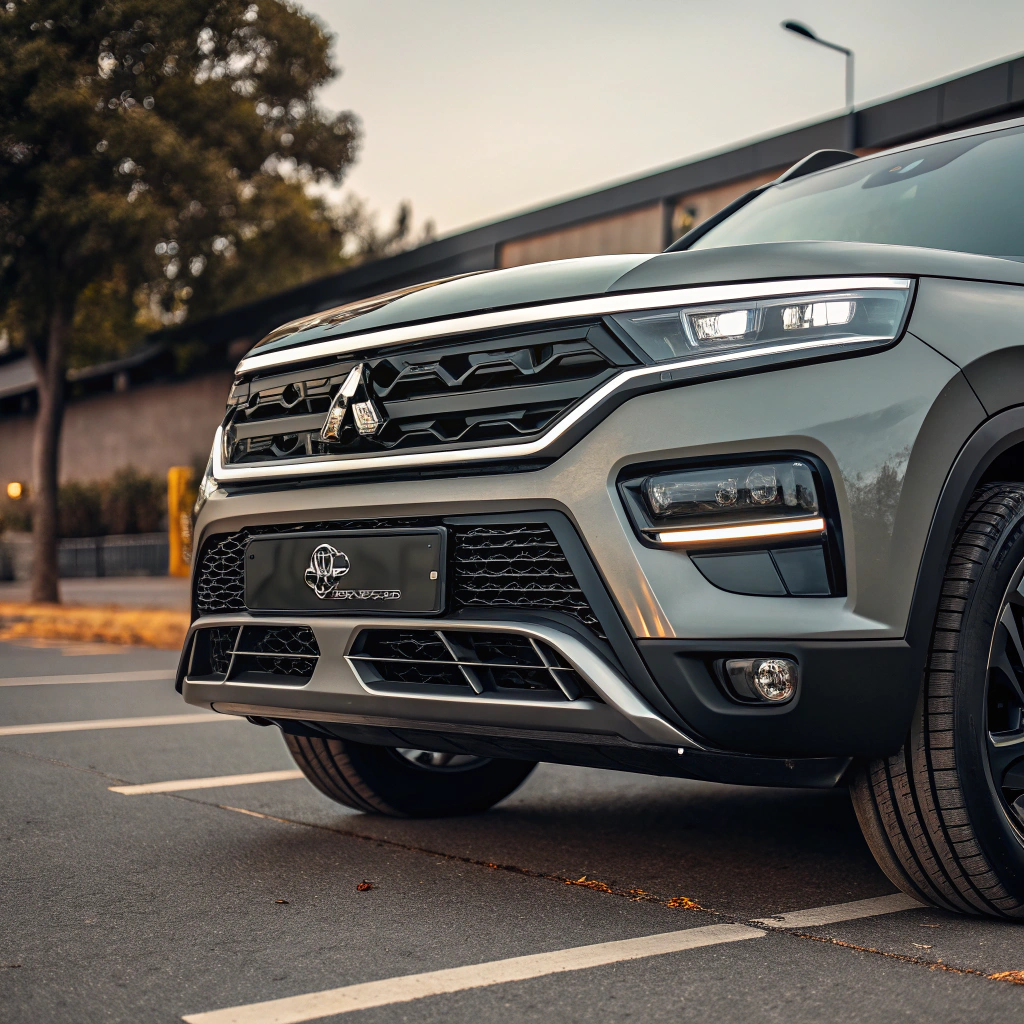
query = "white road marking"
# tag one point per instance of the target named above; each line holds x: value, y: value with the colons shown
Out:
x: 314, y: 1005
x: 115, y: 723
x: 842, y: 912
x: 91, y: 677
x: 208, y: 783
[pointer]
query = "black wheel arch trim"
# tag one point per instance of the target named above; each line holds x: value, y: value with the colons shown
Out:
x: 991, y: 439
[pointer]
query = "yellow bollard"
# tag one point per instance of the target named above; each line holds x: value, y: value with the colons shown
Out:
x: 181, y: 496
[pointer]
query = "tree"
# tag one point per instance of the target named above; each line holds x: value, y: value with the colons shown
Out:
x: 146, y: 146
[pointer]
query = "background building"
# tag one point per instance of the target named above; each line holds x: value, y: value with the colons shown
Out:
x: 161, y: 406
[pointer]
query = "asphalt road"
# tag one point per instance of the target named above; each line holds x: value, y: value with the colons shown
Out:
x: 144, y: 907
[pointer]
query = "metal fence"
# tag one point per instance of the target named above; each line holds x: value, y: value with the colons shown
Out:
x: 142, y: 554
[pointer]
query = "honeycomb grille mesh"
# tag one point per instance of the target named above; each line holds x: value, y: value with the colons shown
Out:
x: 516, y: 566
x: 233, y: 652
x: 476, y: 661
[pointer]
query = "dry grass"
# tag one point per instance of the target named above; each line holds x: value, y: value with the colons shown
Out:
x: 155, y: 627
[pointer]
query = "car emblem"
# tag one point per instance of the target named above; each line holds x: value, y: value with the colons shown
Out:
x: 326, y: 566
x: 366, y: 417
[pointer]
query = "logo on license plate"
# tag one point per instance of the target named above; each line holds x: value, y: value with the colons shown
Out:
x: 327, y: 565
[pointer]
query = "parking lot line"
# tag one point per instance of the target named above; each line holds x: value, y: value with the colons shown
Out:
x: 115, y: 723
x: 293, y: 1009
x: 146, y: 675
x: 842, y: 912
x: 211, y: 782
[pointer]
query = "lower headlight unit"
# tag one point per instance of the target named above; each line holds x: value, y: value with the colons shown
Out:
x: 762, y: 680
x: 733, y: 494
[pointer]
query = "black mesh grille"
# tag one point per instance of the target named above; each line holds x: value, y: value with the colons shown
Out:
x: 255, y: 654
x: 518, y: 566
x: 430, y: 395
x: 472, y: 661
x: 221, y: 643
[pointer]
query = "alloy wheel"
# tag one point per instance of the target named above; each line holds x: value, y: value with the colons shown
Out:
x: 434, y: 760
x: 1004, y: 726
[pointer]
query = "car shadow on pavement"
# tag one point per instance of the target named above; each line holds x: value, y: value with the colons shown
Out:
x: 739, y: 850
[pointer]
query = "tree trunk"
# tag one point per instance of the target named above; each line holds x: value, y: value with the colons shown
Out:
x: 49, y: 357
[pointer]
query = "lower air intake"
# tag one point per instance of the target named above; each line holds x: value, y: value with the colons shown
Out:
x: 282, y: 655
x: 464, y: 661
x: 518, y: 566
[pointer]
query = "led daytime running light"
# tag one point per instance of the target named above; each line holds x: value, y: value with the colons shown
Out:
x: 747, y: 531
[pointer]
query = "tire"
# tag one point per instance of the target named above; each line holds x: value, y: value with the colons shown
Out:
x: 944, y: 817
x: 405, y: 784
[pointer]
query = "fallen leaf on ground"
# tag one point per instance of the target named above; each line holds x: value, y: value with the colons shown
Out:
x: 685, y: 902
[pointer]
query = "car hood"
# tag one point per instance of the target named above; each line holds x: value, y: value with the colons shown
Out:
x: 541, y: 283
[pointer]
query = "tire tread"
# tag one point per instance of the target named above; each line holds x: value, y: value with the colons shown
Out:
x: 911, y: 806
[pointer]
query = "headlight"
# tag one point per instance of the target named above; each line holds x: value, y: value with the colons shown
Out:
x: 764, y: 499
x: 777, y: 324
x: 765, y: 491
x: 761, y: 526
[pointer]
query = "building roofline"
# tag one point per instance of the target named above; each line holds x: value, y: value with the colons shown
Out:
x: 988, y: 92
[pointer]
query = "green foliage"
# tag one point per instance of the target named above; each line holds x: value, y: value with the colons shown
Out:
x: 15, y: 515
x: 128, y: 502
x: 80, y: 510
x: 154, y: 157
x: 134, y: 502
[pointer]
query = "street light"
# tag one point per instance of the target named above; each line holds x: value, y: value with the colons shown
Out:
x: 802, y: 30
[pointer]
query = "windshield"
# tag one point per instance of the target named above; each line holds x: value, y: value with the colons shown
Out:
x: 965, y: 194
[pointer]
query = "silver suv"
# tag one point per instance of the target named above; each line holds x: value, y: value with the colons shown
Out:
x: 750, y: 510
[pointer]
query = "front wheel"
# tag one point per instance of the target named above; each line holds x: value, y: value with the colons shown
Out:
x: 405, y: 783
x: 945, y: 816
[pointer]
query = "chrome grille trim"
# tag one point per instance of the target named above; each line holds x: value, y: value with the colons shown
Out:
x: 506, y: 388
x: 601, y: 306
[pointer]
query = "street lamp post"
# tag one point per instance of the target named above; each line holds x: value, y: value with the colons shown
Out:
x: 802, y: 30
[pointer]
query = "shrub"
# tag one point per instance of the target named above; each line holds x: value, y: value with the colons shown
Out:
x: 134, y: 502
x: 15, y: 515
x: 129, y: 502
x: 80, y: 510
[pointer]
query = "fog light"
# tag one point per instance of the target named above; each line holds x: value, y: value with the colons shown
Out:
x: 770, y: 680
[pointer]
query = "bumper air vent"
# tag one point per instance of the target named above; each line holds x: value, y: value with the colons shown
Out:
x: 516, y: 566
x: 520, y: 567
x: 427, y: 397
x: 282, y: 655
x: 466, y: 662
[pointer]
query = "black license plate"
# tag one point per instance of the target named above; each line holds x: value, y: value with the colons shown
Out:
x: 385, y: 571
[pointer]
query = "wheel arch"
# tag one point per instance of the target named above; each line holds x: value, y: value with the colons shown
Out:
x: 995, y: 451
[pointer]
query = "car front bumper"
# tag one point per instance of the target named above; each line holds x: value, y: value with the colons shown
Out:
x: 895, y: 418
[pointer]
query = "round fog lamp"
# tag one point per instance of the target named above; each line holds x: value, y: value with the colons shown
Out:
x: 762, y: 680
x: 774, y: 679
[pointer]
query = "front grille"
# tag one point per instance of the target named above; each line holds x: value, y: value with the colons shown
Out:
x: 469, y: 661
x: 254, y: 654
x: 497, y: 566
x: 429, y: 396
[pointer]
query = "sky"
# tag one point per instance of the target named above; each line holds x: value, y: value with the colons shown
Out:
x: 476, y: 110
